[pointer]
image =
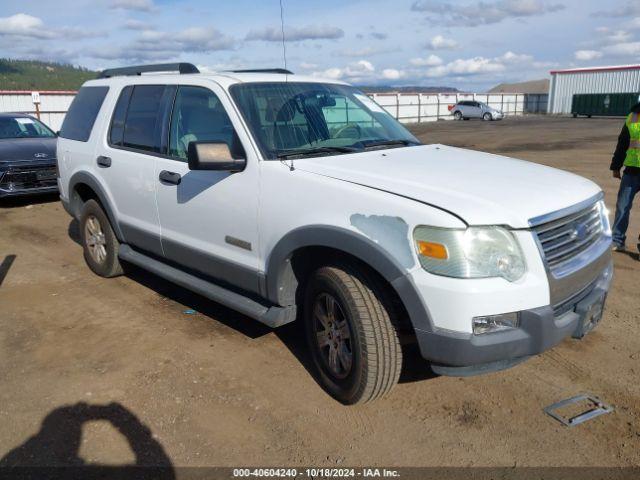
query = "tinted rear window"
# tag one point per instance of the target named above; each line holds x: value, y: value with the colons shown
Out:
x: 82, y: 113
x: 119, y: 115
x: 143, y: 125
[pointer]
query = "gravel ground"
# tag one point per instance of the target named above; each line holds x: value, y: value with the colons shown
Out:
x: 113, y: 370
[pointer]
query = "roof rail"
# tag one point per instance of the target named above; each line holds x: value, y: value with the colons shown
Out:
x: 282, y: 71
x: 140, y: 69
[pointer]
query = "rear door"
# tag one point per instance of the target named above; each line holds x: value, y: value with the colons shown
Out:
x: 474, y: 110
x: 127, y: 159
x: 209, y: 218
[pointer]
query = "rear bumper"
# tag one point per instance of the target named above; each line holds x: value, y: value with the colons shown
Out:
x: 455, y: 353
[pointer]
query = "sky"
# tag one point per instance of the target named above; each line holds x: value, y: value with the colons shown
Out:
x: 470, y: 44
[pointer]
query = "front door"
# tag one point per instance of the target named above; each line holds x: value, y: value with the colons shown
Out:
x: 208, y: 219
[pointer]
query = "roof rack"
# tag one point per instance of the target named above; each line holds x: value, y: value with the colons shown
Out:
x: 140, y: 69
x: 282, y: 71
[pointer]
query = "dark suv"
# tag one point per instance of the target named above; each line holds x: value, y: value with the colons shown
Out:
x: 27, y: 156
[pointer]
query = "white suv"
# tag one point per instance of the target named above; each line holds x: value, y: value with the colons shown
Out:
x: 288, y: 197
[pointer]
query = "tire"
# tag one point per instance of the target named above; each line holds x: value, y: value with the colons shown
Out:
x: 359, y: 313
x: 487, y: 117
x: 457, y: 115
x: 99, y: 243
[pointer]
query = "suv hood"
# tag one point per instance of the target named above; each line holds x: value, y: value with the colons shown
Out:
x: 25, y: 149
x: 480, y: 188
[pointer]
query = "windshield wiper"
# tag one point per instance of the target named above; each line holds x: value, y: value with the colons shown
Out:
x: 306, y: 152
x: 389, y: 143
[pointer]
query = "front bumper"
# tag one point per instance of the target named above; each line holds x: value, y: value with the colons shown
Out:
x: 453, y: 353
x: 28, y: 179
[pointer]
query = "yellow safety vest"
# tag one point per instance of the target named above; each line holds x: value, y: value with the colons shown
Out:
x: 633, y: 153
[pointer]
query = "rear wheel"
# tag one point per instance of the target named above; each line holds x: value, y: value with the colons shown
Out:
x: 354, y: 345
x: 457, y: 115
x: 99, y: 241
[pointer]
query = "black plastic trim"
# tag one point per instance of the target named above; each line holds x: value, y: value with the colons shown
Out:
x: 93, y: 183
x: 181, y: 68
x: 270, y: 315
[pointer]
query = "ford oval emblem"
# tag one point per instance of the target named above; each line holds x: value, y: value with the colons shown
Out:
x: 40, y: 155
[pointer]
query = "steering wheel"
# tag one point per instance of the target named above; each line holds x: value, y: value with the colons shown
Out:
x: 354, y: 127
x: 22, y: 134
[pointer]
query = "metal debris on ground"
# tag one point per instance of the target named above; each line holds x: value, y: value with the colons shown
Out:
x: 189, y: 312
x: 597, y: 408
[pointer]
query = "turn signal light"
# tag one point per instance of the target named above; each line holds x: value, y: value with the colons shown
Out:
x: 433, y: 250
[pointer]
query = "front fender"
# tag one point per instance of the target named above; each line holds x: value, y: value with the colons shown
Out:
x: 279, y: 271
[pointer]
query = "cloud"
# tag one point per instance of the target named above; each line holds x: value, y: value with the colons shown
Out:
x: 392, y: 74
x: 296, y: 34
x: 308, y: 66
x: 136, y: 25
x: 587, y: 55
x: 157, y: 45
x: 631, y: 9
x: 378, y: 35
x: 441, y: 43
x: 23, y: 25
x: 511, y: 57
x: 626, y: 49
x: 430, y: 61
x: 464, y: 67
x: 356, y: 71
x: 365, y: 52
x: 137, y: 5
x: 482, y: 12
x: 28, y: 26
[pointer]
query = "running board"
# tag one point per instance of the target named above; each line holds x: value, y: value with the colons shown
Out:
x: 273, y: 316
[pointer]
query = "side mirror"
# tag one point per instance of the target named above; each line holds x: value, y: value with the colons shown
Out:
x: 213, y: 156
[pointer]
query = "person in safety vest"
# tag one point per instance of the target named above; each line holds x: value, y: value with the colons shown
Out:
x: 628, y: 154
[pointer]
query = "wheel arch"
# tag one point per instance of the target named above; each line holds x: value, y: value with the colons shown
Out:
x: 319, y: 244
x: 84, y: 186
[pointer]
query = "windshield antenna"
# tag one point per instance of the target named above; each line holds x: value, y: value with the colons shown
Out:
x: 284, y: 46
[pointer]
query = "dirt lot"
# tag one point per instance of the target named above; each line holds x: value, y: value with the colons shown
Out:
x: 215, y: 388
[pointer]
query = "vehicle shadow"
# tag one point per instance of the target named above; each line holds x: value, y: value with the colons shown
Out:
x: 26, y: 200
x: 53, y: 452
x: 5, y: 266
x: 414, y: 368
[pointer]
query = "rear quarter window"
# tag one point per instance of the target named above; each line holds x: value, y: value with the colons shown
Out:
x: 82, y: 113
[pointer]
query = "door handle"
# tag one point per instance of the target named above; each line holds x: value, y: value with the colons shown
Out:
x: 170, y: 177
x: 103, y: 161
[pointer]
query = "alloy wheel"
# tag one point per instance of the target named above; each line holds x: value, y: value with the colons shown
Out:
x: 333, y: 335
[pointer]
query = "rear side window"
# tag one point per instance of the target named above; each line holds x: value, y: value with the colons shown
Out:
x: 144, y: 118
x: 82, y: 113
x: 119, y: 115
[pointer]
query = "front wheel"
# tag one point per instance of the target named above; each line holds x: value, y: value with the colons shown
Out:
x: 353, y: 343
x: 487, y: 117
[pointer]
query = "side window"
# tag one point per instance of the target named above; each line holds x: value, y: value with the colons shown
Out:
x: 143, y: 123
x: 199, y: 116
x: 116, y: 131
x: 82, y: 113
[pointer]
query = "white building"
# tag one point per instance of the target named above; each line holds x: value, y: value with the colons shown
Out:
x: 615, y: 79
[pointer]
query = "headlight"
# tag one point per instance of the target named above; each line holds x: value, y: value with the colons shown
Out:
x: 477, y: 252
x: 604, y: 218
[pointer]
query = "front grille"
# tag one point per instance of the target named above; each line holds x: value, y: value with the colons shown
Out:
x: 564, y: 239
x: 28, y: 178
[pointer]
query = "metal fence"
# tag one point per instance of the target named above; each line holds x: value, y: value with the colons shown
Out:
x: 426, y: 107
x: 51, y: 110
x: 406, y: 107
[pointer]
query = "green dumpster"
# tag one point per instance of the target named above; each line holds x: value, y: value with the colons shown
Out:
x: 603, y: 104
